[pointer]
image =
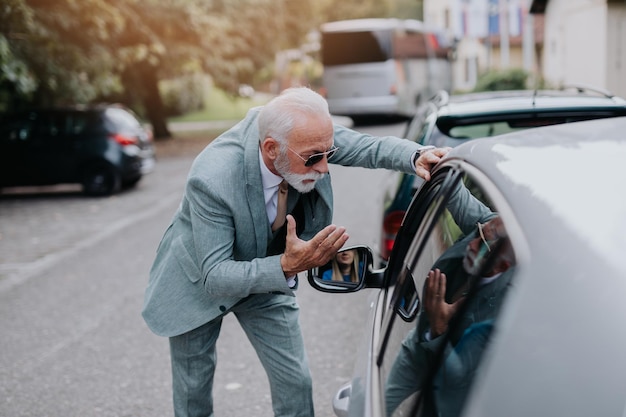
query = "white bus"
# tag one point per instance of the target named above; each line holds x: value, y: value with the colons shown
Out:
x: 382, y: 66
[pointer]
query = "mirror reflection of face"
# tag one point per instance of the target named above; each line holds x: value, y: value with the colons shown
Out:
x: 346, y: 257
x: 479, y: 248
x: 345, y: 267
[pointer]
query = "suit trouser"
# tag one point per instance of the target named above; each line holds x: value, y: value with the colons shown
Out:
x: 271, y: 323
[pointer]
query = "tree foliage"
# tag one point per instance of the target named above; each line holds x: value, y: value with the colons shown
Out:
x: 509, y: 79
x: 330, y: 10
x: 77, y: 51
x: 53, y: 52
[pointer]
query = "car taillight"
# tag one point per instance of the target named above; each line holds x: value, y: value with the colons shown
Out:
x: 391, y: 225
x: 400, y: 79
x: 124, y: 140
x: 433, y: 41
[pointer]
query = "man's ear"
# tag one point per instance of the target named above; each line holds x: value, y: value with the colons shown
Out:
x: 502, y: 265
x: 270, y: 147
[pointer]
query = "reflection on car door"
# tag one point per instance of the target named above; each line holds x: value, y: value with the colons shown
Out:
x: 436, y: 334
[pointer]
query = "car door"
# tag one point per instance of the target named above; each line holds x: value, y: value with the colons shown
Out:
x: 16, y: 133
x: 433, y: 335
x: 51, y: 153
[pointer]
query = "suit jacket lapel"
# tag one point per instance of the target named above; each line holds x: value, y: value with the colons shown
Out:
x: 254, y: 188
x: 325, y: 191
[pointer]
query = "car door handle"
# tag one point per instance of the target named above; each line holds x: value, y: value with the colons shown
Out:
x: 341, y: 400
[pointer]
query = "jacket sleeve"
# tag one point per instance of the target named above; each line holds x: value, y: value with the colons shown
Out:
x: 362, y: 150
x: 223, y: 268
x: 467, y: 210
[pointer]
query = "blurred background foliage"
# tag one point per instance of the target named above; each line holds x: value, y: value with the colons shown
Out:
x: 509, y: 79
x: 155, y: 55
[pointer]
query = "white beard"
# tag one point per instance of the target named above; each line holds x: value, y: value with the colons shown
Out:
x: 296, y: 180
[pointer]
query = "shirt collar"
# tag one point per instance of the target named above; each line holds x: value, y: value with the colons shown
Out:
x: 269, y: 179
x: 488, y: 280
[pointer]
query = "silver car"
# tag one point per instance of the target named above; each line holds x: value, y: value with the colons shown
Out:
x: 504, y: 293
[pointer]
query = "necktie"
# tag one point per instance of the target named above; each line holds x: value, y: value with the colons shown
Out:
x: 281, y: 206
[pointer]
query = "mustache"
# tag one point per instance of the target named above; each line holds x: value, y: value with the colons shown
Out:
x: 311, y: 176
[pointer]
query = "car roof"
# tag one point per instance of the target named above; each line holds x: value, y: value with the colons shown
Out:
x: 525, y: 102
x: 563, y: 184
x: 367, y: 24
x: 574, y: 169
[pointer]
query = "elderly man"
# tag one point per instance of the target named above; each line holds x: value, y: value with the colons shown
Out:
x: 230, y: 249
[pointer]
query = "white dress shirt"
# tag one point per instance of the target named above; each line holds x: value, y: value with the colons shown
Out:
x: 270, y: 189
x: 271, y: 182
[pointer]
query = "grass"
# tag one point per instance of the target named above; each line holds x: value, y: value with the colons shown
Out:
x: 185, y: 144
x: 221, y: 106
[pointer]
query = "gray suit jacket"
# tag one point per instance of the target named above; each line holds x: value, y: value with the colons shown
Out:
x: 214, y: 252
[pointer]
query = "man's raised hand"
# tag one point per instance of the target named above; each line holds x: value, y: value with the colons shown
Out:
x: 302, y: 255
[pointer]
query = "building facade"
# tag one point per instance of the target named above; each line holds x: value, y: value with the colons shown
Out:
x: 585, y: 43
x: 490, y: 35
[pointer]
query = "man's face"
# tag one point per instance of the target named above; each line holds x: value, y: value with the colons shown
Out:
x: 312, y: 136
x: 479, y: 248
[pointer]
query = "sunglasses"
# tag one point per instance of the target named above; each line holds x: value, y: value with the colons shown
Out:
x: 316, y: 157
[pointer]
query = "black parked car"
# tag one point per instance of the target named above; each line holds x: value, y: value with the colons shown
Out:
x: 529, y: 229
x: 450, y: 120
x: 104, y: 148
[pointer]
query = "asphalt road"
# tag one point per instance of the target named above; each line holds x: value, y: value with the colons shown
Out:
x: 72, y: 274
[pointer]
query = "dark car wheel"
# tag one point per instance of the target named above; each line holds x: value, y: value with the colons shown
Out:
x: 101, y: 180
x: 129, y: 183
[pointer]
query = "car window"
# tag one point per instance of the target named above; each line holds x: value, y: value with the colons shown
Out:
x: 122, y: 119
x: 36, y: 127
x: 481, y: 130
x: 428, y: 131
x: 19, y: 128
x: 82, y: 122
x: 417, y: 125
x: 454, y: 274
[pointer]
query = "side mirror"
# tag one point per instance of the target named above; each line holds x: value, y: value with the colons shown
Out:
x: 349, y: 271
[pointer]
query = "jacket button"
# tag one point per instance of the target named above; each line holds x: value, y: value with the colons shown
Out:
x: 222, y: 309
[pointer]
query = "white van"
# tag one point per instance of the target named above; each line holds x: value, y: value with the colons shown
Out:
x: 382, y: 66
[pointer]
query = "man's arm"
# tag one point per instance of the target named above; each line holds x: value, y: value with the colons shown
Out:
x: 389, y: 152
x: 426, y: 159
x: 467, y: 210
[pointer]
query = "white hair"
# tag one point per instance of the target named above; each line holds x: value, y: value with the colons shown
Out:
x: 278, y: 117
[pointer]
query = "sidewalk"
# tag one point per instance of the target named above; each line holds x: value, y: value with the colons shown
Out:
x: 226, y: 124
x: 196, y: 126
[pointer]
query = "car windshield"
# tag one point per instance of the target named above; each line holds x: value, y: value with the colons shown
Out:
x: 451, y: 121
x: 481, y: 130
x: 454, y: 132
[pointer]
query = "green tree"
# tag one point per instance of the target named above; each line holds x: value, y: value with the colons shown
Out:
x: 15, y: 77
x: 330, y: 10
x: 509, y: 79
x: 408, y: 9
x: 78, y: 51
